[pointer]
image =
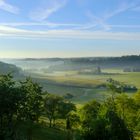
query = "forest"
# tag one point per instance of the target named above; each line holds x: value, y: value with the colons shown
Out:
x: 27, y: 112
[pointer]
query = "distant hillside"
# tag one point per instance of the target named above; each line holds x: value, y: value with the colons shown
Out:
x: 86, y: 59
x: 104, y: 62
x: 9, y: 68
x: 125, y: 63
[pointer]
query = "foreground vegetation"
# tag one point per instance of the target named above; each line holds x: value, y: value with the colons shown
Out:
x: 29, y: 113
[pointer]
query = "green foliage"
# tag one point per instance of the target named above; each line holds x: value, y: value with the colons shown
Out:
x: 73, y: 120
x: 117, y: 118
x: 56, y: 107
x: 51, y: 104
x: 17, y: 102
x: 119, y: 87
x: 117, y: 127
x: 90, y: 119
x: 9, y: 102
x: 102, y: 122
x: 65, y: 108
x: 90, y: 110
x: 31, y: 104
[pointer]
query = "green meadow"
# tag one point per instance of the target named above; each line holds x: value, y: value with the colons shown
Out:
x: 85, y: 87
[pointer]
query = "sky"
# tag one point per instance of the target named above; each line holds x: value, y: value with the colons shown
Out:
x: 69, y: 28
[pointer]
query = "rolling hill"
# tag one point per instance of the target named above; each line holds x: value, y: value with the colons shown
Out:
x: 6, y: 68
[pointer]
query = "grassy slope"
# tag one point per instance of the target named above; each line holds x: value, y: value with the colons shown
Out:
x: 41, y: 132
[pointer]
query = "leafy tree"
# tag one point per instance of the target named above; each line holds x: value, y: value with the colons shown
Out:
x: 137, y: 99
x: 9, y: 102
x: 117, y: 128
x: 97, y: 130
x: 137, y: 111
x: 126, y: 109
x: 102, y: 122
x: 64, y: 111
x: 31, y: 105
x: 89, y: 116
x: 73, y: 120
x: 115, y: 87
x: 51, y: 104
x: 116, y: 118
x: 90, y: 110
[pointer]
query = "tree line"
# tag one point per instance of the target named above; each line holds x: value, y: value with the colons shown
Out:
x: 116, y: 118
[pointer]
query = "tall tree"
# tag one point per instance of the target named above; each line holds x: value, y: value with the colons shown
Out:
x: 31, y: 105
x: 64, y: 111
x: 9, y: 102
x: 51, y: 104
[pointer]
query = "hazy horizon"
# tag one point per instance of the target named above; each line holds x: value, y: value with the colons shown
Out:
x: 69, y: 57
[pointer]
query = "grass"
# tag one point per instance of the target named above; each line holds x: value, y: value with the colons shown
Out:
x: 83, y: 86
x: 129, y: 78
x: 41, y: 131
x: 91, y: 94
x: 72, y: 77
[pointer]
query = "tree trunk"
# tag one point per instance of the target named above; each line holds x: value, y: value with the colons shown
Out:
x: 54, y: 122
x: 50, y: 122
x: 68, y: 125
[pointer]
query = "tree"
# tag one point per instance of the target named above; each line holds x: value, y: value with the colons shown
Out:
x: 89, y: 117
x: 125, y: 106
x: 136, y: 114
x: 73, y: 120
x: 136, y: 98
x: 9, y: 102
x: 90, y: 110
x: 51, y: 104
x: 115, y: 116
x: 115, y: 88
x: 101, y: 122
x: 117, y: 128
x: 64, y: 111
x: 31, y: 104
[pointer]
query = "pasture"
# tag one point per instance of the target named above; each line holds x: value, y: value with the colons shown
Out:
x: 84, y: 87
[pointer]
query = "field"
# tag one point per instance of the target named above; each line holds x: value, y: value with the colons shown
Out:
x: 84, y: 87
x: 64, y: 77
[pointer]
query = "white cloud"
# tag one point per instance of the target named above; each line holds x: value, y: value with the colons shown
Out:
x: 48, y: 24
x: 98, y: 21
x: 101, y: 22
x: 51, y: 25
x: 6, y: 31
x: 45, y: 11
x: 123, y: 7
x: 126, y: 26
x: 8, y: 7
x: 66, y: 26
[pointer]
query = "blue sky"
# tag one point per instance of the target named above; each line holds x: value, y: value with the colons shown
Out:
x: 69, y: 28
